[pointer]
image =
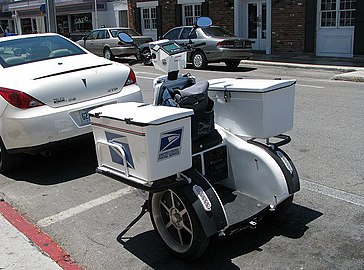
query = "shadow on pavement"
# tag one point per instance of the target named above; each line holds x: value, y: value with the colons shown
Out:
x: 221, y: 252
x: 61, y: 166
x: 222, y: 68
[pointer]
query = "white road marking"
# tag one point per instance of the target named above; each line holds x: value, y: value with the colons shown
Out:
x: 83, y: 207
x: 312, y: 86
x: 142, y: 77
x: 149, y: 73
x: 333, y: 193
x: 321, y: 189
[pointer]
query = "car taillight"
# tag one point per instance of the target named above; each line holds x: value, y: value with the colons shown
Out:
x: 226, y: 44
x: 131, y: 78
x: 19, y: 99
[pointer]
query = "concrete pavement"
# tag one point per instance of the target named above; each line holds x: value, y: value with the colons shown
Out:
x: 24, y: 246
x: 352, y: 69
x: 18, y: 252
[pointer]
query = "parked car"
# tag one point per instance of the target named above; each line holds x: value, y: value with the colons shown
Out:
x: 104, y: 42
x: 220, y: 45
x: 48, y: 84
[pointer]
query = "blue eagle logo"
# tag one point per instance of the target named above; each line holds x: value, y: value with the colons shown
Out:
x: 115, y: 156
x: 170, y: 144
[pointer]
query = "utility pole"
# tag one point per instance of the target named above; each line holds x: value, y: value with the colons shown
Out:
x: 51, y: 16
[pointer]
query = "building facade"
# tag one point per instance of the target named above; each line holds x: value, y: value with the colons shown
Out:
x: 74, y: 18
x: 319, y: 27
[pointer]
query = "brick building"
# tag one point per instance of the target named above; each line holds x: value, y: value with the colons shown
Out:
x: 320, y: 27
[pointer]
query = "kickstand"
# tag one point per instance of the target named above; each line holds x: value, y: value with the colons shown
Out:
x: 120, y: 237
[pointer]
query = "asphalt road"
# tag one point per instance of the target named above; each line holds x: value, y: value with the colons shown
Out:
x: 86, y: 213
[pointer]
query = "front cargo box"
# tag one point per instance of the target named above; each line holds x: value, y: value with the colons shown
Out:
x: 156, y: 140
x: 253, y: 108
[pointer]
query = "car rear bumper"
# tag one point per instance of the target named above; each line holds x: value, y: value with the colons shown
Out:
x: 223, y: 54
x: 31, y: 128
x: 123, y: 51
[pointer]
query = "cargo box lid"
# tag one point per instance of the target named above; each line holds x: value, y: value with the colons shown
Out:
x: 248, y: 85
x: 140, y: 114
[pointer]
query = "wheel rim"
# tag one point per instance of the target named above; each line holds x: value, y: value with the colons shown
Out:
x: 172, y: 221
x: 198, y: 60
x: 107, y: 54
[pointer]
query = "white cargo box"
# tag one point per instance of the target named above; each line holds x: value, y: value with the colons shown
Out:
x: 156, y: 140
x: 253, y: 108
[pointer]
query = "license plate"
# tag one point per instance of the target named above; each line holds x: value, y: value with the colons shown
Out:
x: 238, y: 44
x: 84, y: 116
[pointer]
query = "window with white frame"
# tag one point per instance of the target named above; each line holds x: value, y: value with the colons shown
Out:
x: 337, y: 13
x: 190, y: 13
x: 149, y: 18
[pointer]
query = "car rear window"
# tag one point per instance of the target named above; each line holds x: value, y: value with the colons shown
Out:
x: 32, y: 49
x: 215, y: 31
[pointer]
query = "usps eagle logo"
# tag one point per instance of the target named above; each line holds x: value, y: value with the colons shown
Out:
x: 115, y: 155
x: 170, y: 144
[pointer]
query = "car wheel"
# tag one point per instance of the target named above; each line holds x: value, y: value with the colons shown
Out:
x: 177, y: 224
x: 145, y: 54
x: 199, y: 60
x: 232, y: 63
x: 108, y: 54
x: 8, y: 161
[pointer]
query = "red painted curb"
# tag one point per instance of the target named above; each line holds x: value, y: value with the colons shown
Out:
x: 39, y: 238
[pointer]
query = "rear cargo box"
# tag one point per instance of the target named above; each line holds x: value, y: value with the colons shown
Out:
x: 143, y: 141
x: 253, y: 108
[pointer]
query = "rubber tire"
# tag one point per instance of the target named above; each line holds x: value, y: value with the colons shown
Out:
x: 108, y: 54
x: 199, y: 60
x: 148, y: 62
x: 232, y: 63
x: 8, y: 162
x: 195, y: 241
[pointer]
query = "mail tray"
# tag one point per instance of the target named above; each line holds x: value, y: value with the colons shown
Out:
x: 142, y: 141
x: 253, y: 108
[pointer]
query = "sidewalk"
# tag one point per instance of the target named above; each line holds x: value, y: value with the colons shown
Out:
x: 352, y: 68
x: 23, y: 246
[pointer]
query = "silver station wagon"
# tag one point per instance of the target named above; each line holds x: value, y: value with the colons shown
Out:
x: 104, y: 42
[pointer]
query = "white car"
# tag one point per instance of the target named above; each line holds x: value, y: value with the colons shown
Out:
x: 48, y: 84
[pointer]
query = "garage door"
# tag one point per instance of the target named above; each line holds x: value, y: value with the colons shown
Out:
x: 335, y: 33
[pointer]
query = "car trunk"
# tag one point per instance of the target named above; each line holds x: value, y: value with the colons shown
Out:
x: 69, y: 80
x: 141, y: 40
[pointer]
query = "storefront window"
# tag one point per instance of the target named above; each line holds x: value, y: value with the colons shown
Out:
x: 62, y: 25
x: 26, y: 25
x: 81, y: 22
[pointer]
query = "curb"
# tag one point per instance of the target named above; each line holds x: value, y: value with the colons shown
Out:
x: 355, y: 76
x: 44, y: 242
x: 304, y: 66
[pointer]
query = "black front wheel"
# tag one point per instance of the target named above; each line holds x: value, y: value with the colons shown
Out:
x: 232, y: 63
x: 108, y: 54
x: 177, y: 224
x: 8, y: 161
x: 145, y: 55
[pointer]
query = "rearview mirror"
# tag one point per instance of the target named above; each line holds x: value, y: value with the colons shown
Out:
x: 124, y: 37
x: 203, y: 22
